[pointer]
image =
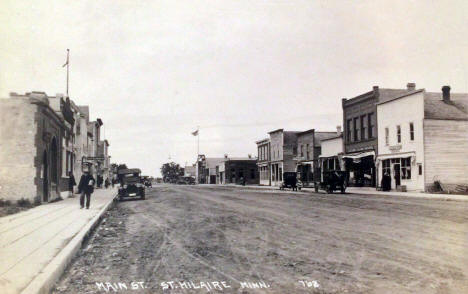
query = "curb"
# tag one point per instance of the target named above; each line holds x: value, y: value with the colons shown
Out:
x: 44, y: 282
x: 446, y: 197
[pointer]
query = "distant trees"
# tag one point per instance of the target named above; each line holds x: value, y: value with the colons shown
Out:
x: 171, y: 171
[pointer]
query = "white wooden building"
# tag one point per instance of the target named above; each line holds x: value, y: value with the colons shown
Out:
x: 423, y: 139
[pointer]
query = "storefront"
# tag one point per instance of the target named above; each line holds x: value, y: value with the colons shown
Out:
x: 276, y: 173
x: 305, y: 173
x: 405, y: 173
x: 361, y: 169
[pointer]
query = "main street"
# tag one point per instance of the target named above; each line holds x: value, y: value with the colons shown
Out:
x: 290, y: 242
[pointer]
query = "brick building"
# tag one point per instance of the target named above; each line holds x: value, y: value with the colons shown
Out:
x: 235, y: 170
x: 206, y: 169
x: 33, y: 135
x: 360, y: 133
x: 308, y: 152
x: 423, y: 138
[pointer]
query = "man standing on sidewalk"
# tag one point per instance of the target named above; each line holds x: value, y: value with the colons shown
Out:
x: 71, y: 184
x: 86, y: 188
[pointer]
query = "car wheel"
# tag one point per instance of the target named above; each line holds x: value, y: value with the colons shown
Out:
x: 343, y: 188
x: 316, y: 187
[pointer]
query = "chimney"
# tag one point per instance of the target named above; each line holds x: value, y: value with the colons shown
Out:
x: 249, y: 155
x: 411, y: 86
x: 446, y: 93
x: 338, y: 130
x: 376, y: 91
x: 225, y: 156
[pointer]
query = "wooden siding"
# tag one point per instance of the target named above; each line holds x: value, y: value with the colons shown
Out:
x: 446, y: 152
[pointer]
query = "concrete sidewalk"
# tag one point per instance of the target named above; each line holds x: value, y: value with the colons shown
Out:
x: 365, y: 191
x: 36, y: 245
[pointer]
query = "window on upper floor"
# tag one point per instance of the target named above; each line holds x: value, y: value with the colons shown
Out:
x: 363, y: 127
x: 307, y: 151
x: 411, y: 130
x: 355, y: 130
x: 302, y: 150
x: 398, y: 131
x: 370, y: 125
x: 387, y: 136
x: 348, y: 130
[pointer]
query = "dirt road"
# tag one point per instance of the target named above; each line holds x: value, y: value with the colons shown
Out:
x: 204, y: 238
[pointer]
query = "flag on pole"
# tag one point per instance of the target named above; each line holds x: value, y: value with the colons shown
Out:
x: 66, y: 63
x: 195, y: 133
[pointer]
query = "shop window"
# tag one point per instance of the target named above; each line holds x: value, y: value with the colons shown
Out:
x: 406, y: 168
x: 387, y: 134
x: 398, y: 132
x: 252, y: 174
x: 386, y: 166
x: 411, y: 128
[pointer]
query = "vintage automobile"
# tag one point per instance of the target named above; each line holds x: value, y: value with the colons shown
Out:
x: 131, y: 185
x: 146, y: 180
x: 331, y: 181
x: 186, y: 181
x: 290, y: 181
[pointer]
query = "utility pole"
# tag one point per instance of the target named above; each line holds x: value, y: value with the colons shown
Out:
x: 198, y: 143
x: 68, y: 67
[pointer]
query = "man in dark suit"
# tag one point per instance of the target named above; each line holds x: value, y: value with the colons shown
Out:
x: 86, y: 188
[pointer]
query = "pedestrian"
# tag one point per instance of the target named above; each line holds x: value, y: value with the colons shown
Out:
x: 71, y: 184
x: 86, y: 188
x: 113, y: 182
x: 106, y: 183
x: 99, y: 181
x: 386, y: 182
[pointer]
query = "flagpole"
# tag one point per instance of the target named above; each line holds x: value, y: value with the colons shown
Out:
x: 68, y: 67
x: 198, y: 138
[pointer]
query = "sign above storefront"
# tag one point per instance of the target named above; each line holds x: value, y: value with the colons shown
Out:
x: 395, y: 148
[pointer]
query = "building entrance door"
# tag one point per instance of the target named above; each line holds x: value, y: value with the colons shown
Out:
x: 45, y: 178
x: 396, y: 171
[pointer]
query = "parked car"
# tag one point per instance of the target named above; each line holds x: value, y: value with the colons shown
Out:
x: 190, y: 180
x: 186, y: 181
x: 290, y: 181
x: 131, y: 185
x: 331, y: 181
x: 146, y: 181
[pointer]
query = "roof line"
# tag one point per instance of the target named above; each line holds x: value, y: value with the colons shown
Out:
x: 401, y: 96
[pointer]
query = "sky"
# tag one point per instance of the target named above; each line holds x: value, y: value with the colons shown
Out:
x: 155, y: 70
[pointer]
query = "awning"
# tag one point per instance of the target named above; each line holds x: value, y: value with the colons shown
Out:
x: 396, y: 155
x: 305, y: 162
x: 323, y: 156
x: 359, y: 155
